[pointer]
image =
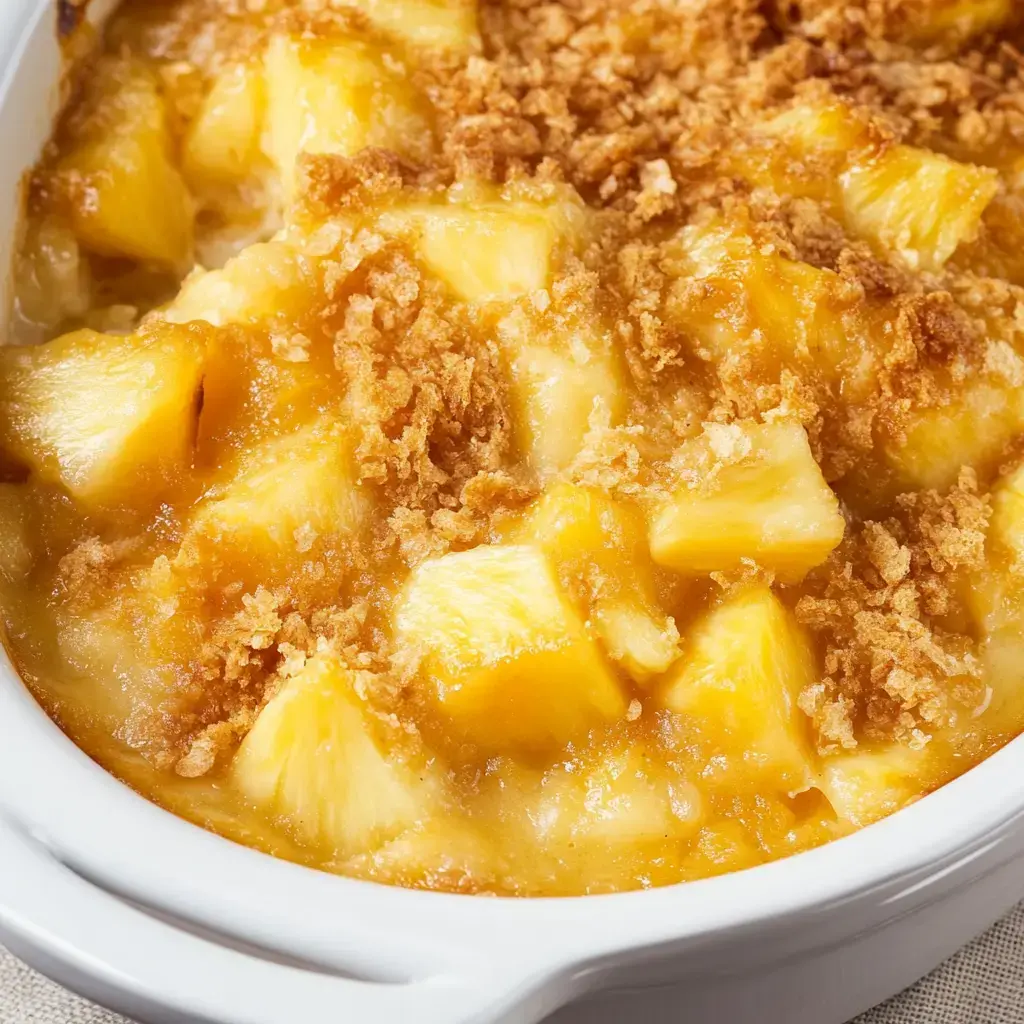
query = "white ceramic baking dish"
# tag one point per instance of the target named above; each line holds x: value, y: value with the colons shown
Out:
x: 151, y: 916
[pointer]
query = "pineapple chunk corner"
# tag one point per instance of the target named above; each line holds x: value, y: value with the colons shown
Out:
x: 863, y: 787
x: 742, y: 671
x: 960, y: 19
x: 111, y: 418
x: 132, y: 650
x: 555, y: 395
x: 336, y: 95
x: 759, y: 496
x: 973, y: 429
x: 318, y: 758
x: 505, y: 656
x: 449, y: 851
x: 289, y: 494
x: 127, y: 196
x: 223, y: 142
x: 996, y: 600
x: 917, y: 204
x: 621, y: 802
x: 492, y: 248
x: 598, y: 544
x: 264, y: 281
x: 441, y: 24
x: 1006, y: 528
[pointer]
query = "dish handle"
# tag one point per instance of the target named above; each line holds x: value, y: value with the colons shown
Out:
x: 155, y: 971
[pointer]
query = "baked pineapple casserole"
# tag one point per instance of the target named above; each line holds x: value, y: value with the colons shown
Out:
x: 534, y: 447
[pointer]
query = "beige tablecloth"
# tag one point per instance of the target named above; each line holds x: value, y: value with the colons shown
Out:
x: 983, y: 984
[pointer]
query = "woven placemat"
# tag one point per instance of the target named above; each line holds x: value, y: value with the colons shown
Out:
x: 982, y: 984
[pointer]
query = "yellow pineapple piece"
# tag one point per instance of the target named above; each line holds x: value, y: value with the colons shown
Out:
x: 742, y: 671
x: 133, y: 651
x: 444, y: 853
x: 489, y: 248
x: 111, y: 418
x: 320, y: 760
x: 756, y: 495
x: 636, y: 635
x: 802, y: 151
x: 16, y: 554
x: 264, y: 281
x: 959, y: 18
x: 127, y: 197
x: 52, y: 281
x: 599, y: 549
x: 825, y: 127
x: 223, y: 142
x: 863, y: 787
x: 506, y: 658
x: 755, y: 300
x: 1006, y: 527
x: 626, y: 799
x: 971, y: 429
x: 440, y: 24
x: 555, y: 394
x: 725, y: 845
x: 917, y: 204
x: 337, y: 96
x: 995, y: 596
x: 290, y: 497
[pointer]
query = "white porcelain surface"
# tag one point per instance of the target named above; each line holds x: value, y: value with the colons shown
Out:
x: 154, y: 917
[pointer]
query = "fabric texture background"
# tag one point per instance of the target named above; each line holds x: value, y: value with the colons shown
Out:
x: 982, y: 984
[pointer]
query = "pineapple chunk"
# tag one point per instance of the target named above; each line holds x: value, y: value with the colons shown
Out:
x: 337, y: 96
x: 628, y: 799
x: 133, y: 652
x: 636, y: 635
x: 743, y: 669
x: 555, y: 394
x: 489, y: 249
x: 1006, y: 528
x: 110, y: 418
x: 865, y: 787
x: 917, y: 204
x: 959, y: 18
x: 442, y: 24
x: 506, y: 658
x: 52, y: 281
x: 290, y: 494
x: 127, y: 197
x: 802, y: 151
x: 16, y: 554
x: 755, y: 300
x: 320, y: 759
x: 563, y: 373
x: 828, y: 127
x: 723, y: 846
x: 445, y: 853
x: 223, y: 142
x: 264, y: 281
x: 995, y: 595
x: 598, y: 545
x: 759, y: 495
x: 971, y: 430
